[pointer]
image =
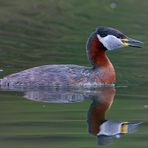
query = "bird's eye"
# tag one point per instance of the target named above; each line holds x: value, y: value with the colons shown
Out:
x: 103, y: 35
x: 118, y: 36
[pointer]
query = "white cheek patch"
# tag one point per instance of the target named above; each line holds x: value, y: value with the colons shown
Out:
x: 110, y: 42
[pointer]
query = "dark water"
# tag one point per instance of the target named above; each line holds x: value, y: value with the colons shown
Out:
x: 34, y: 33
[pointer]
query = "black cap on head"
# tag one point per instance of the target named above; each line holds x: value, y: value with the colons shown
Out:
x: 104, y: 31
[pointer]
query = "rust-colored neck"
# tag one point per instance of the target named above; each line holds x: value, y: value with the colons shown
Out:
x: 98, y: 58
x: 97, y: 52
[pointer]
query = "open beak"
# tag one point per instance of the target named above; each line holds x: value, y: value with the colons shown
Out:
x: 132, y: 42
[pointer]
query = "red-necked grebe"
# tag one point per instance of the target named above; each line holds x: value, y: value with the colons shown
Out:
x: 101, y: 74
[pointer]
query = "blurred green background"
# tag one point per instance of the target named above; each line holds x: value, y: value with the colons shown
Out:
x: 34, y: 32
x: 37, y: 32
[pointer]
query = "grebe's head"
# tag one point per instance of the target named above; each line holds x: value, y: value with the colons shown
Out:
x: 113, y: 39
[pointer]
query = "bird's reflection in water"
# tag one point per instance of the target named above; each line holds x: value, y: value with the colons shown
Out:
x: 105, y: 130
x: 96, y: 112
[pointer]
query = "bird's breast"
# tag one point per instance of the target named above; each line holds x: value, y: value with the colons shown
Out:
x: 97, y: 77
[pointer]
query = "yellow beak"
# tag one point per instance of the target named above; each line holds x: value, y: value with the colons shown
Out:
x: 132, y: 42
